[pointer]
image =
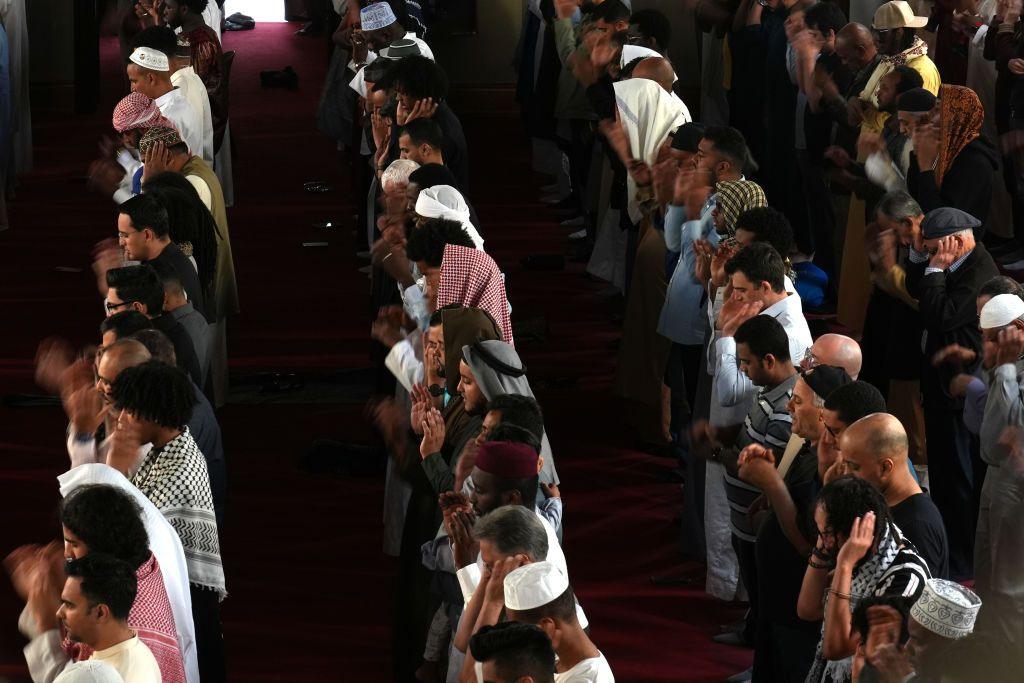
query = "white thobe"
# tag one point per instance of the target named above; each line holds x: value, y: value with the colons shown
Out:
x: 188, y: 81
x: 165, y: 546
x: 593, y: 670
x: 183, y: 115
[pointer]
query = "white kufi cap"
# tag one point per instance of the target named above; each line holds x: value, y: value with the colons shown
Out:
x: 1001, y: 310
x: 534, y: 585
x: 946, y: 608
x: 149, y: 58
x: 375, y: 16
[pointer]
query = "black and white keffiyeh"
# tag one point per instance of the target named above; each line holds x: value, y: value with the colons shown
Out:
x: 175, y: 479
x: 878, y: 575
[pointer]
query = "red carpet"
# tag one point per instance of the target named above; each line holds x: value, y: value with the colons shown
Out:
x: 309, y: 588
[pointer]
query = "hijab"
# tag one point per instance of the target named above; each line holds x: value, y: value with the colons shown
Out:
x: 463, y: 327
x: 471, y: 278
x: 961, y: 116
x: 648, y: 115
x: 444, y: 201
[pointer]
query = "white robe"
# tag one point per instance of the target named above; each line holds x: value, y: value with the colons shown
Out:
x: 183, y: 115
x: 195, y: 93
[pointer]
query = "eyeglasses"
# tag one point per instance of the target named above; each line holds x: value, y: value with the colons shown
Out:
x: 111, y: 307
x: 809, y: 360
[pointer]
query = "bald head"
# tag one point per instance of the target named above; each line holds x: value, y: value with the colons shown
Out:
x: 840, y: 351
x: 657, y: 69
x: 124, y: 353
x: 855, y: 46
x: 874, y: 448
x: 856, y: 34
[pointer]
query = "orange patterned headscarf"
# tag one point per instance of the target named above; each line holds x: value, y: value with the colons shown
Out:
x: 960, y: 119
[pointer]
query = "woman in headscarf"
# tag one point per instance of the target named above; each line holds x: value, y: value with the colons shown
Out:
x: 498, y: 370
x: 470, y: 277
x: 646, y: 116
x: 952, y: 164
x: 444, y: 201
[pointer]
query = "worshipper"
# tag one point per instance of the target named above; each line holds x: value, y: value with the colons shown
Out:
x: 95, y: 603
x: 420, y: 85
x: 892, y: 329
x: 945, y: 271
x: 427, y: 247
x: 469, y: 277
x: 149, y: 74
x: 510, y: 531
x: 394, y: 182
x: 105, y: 519
x: 139, y: 288
x: 940, y: 623
x: 762, y: 354
x: 177, y: 305
x: 143, y: 233
x: 874, y: 448
x: 859, y: 552
x: 203, y: 425
x: 120, y: 326
x: 206, y: 57
x: 184, y: 78
x: 539, y: 593
x: 120, y: 174
x: 951, y: 164
x: 166, y: 145
x: 845, y: 405
x: 432, y: 175
x: 444, y: 201
x: 379, y: 28
x: 834, y: 349
x: 422, y: 141
x: 510, y: 652
x: 494, y: 369
x: 646, y: 117
x: 154, y: 402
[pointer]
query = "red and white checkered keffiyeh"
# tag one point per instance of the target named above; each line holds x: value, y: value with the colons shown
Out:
x: 471, y: 278
x: 151, y: 617
x: 138, y: 111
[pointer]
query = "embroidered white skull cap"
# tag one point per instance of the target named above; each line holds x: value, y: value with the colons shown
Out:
x: 946, y: 608
x: 149, y: 58
x: 376, y: 16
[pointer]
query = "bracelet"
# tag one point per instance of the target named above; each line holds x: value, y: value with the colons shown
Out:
x: 390, y: 254
x: 815, y: 565
x: 839, y: 594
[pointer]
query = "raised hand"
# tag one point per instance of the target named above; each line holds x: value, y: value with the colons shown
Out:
x: 421, y: 405
x: 423, y: 109
x: 725, y: 251
x: 860, y: 542
x: 460, y: 533
x: 731, y: 322
x: 1009, y: 345
x: 564, y: 8
x: 433, y: 433
x: 496, y: 586
x: 954, y: 354
x: 949, y: 249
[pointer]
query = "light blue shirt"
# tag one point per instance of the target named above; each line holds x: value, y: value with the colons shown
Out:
x: 682, y: 316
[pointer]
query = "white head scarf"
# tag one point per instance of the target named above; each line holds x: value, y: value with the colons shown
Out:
x: 648, y: 115
x: 444, y: 201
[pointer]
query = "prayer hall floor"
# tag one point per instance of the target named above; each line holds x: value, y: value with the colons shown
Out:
x: 309, y: 590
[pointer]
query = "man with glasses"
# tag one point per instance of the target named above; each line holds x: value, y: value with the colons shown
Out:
x: 139, y: 288
x: 834, y: 349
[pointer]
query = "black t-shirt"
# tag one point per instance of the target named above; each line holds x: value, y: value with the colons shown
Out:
x: 921, y: 524
x: 172, y: 260
x: 780, y: 569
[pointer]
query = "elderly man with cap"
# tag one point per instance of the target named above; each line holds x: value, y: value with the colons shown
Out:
x: 539, y: 593
x: 149, y: 73
x: 874, y: 448
x: 946, y: 270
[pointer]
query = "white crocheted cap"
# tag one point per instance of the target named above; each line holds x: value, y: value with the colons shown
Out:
x: 534, y: 585
x: 946, y: 608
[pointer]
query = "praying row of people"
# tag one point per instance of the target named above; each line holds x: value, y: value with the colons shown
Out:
x: 132, y: 591
x: 831, y: 480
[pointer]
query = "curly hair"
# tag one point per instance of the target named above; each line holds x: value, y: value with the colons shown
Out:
x: 855, y: 400
x: 106, y: 581
x: 427, y: 242
x: 849, y: 497
x: 768, y: 225
x: 190, y: 221
x: 418, y: 77
x: 108, y: 520
x: 156, y: 392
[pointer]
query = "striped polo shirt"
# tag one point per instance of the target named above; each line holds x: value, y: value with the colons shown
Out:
x: 768, y: 423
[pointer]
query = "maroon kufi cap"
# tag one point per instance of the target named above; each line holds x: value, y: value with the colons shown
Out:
x: 507, y: 459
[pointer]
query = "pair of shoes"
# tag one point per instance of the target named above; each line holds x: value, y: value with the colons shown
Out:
x: 239, y: 22
x: 239, y: 18
x: 576, y: 222
x: 285, y: 78
x: 741, y: 677
x: 580, y: 234
x: 317, y: 186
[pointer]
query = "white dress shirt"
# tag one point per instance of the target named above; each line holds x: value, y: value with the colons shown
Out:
x: 189, y: 122
x: 188, y: 81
